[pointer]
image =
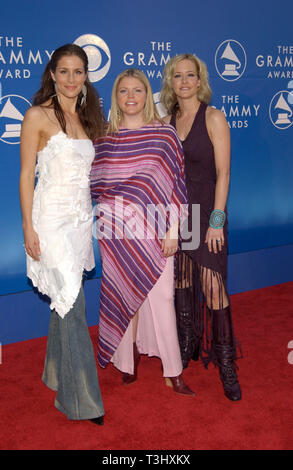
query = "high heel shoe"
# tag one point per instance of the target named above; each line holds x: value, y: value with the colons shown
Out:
x: 128, y: 379
x: 179, y: 386
x: 99, y: 420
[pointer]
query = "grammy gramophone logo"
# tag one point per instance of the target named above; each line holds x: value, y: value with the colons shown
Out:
x: 230, y: 60
x: 12, y: 110
x: 281, y: 109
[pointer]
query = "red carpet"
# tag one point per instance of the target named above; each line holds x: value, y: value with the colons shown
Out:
x: 148, y: 415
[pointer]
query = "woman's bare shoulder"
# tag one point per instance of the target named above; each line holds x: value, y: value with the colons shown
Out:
x: 38, y: 116
x: 33, y: 113
x: 215, y: 115
x: 215, y: 119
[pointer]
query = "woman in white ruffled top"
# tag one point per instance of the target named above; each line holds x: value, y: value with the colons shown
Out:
x: 56, y: 146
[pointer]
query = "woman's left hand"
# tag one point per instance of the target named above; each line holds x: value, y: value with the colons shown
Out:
x: 169, y: 246
x: 215, y: 239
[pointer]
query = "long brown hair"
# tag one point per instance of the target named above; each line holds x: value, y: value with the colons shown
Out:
x: 90, y: 113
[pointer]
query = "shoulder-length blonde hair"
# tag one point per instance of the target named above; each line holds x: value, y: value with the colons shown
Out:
x: 150, y: 112
x: 168, y: 97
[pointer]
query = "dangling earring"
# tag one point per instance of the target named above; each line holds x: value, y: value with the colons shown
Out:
x: 84, y: 93
x: 56, y: 92
x: 55, y: 88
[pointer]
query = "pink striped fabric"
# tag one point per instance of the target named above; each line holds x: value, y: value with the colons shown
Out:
x: 133, y: 170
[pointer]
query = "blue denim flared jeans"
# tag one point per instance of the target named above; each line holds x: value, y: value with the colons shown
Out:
x: 70, y: 366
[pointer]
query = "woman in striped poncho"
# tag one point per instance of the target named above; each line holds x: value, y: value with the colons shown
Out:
x: 137, y: 180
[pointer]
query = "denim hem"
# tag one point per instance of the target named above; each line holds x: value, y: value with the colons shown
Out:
x: 59, y: 407
x: 55, y: 389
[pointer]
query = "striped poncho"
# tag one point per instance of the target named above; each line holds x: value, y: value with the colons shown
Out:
x: 136, y: 175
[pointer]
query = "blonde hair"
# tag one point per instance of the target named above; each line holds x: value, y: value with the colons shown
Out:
x: 168, y: 97
x: 150, y: 112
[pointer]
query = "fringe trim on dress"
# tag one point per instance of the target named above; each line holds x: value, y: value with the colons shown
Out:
x: 208, y: 288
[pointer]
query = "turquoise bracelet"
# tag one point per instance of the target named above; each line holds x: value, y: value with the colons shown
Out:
x: 217, y: 219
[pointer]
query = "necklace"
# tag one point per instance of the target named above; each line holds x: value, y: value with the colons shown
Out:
x: 185, y: 123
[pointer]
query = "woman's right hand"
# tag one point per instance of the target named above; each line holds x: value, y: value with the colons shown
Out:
x: 32, y: 244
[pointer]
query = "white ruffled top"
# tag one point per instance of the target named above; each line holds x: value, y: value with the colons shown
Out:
x: 62, y: 217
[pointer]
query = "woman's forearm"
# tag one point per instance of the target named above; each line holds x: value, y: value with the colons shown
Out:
x: 222, y: 189
x: 26, y: 191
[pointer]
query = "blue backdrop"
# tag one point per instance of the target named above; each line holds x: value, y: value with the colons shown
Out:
x: 248, y: 49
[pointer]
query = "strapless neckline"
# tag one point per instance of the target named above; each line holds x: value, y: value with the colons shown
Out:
x: 65, y: 135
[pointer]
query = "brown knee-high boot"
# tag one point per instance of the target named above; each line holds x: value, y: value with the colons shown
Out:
x: 223, y: 344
